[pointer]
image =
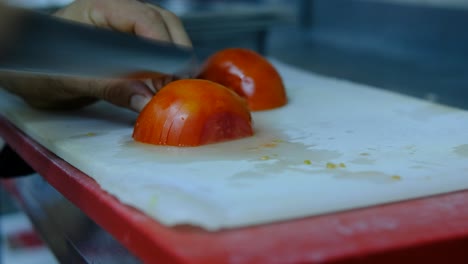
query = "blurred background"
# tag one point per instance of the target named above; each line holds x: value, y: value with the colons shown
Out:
x: 414, y: 47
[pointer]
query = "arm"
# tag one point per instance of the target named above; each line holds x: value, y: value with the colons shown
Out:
x: 129, y: 16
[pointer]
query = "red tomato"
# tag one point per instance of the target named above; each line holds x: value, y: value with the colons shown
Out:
x: 249, y: 75
x: 191, y: 113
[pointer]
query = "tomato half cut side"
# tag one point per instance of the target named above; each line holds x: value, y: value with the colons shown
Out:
x: 193, y: 112
x: 249, y: 75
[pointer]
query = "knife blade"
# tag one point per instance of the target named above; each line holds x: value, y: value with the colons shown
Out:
x: 44, y: 44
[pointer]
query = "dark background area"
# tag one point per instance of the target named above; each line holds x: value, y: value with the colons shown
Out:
x: 416, y: 50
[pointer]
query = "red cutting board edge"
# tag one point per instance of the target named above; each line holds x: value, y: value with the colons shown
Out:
x: 433, y: 229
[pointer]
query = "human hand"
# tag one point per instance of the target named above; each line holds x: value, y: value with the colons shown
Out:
x: 129, y: 16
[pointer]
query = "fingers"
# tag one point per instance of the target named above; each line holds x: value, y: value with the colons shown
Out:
x: 151, y: 24
x: 132, y: 94
x: 158, y: 83
x: 130, y: 16
x: 71, y: 93
x: 174, y: 26
x: 150, y: 21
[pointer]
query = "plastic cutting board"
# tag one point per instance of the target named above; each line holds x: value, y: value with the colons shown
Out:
x: 336, y: 146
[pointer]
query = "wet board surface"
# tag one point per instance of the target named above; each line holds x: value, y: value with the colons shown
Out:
x: 336, y: 146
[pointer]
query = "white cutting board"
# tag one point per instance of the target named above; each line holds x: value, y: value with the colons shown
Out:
x: 392, y: 148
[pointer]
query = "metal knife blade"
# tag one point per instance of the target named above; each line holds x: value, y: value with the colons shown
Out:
x: 43, y: 44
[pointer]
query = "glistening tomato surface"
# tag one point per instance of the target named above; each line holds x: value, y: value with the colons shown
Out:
x: 191, y: 113
x: 248, y: 74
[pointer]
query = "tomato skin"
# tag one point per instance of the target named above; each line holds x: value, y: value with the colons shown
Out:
x: 249, y: 75
x: 193, y: 112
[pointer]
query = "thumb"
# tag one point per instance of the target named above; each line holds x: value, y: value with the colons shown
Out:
x: 132, y: 94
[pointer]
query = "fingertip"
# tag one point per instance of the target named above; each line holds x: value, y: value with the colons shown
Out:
x: 158, y: 84
x: 150, y: 84
x: 138, y: 102
x: 182, y: 39
x: 141, y: 87
x: 121, y: 93
x: 174, y: 26
x: 150, y: 24
x: 142, y: 94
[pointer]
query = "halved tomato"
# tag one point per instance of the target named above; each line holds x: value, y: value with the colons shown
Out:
x: 249, y: 75
x: 193, y: 112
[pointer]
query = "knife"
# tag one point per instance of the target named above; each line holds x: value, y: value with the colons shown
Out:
x: 44, y: 44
